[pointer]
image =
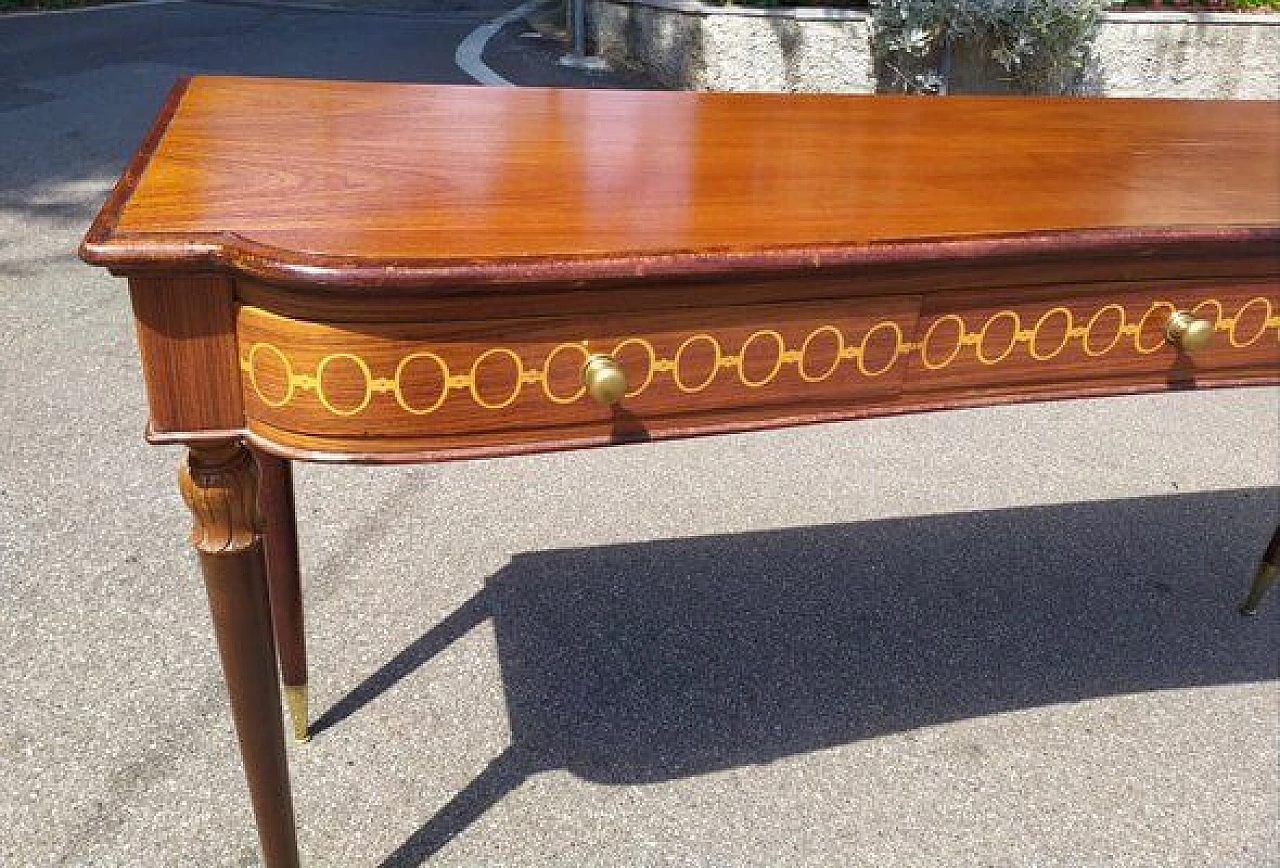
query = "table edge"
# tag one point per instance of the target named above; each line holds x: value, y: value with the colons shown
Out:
x: 126, y: 253
x: 229, y: 252
x: 101, y: 242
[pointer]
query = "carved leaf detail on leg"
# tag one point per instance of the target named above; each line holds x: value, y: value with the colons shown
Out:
x: 220, y: 485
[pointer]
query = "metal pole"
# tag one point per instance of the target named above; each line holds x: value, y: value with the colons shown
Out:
x: 578, y: 10
x: 577, y: 24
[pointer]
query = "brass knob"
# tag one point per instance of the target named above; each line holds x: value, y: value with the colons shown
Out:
x: 1188, y: 333
x: 604, y: 379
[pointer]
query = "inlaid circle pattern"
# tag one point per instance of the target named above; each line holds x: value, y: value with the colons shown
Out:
x: 826, y: 351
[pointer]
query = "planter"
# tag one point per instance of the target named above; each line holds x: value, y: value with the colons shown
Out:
x: 690, y: 45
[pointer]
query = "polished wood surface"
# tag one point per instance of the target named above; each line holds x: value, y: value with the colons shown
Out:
x: 219, y: 484
x: 394, y: 273
x: 504, y: 385
x: 1006, y: 339
x: 186, y: 336
x: 508, y: 375
x: 418, y: 273
x: 306, y: 180
x: 284, y: 573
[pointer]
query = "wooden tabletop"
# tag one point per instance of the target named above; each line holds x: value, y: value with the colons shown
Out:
x: 294, y: 177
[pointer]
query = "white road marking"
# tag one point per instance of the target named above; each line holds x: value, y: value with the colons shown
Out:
x: 468, y: 55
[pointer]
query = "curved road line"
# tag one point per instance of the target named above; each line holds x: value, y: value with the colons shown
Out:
x: 468, y: 56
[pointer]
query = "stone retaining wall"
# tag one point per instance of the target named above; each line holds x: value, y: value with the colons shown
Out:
x: 690, y: 45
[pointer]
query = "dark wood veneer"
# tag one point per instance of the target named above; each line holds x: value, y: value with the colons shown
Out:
x: 339, y: 268
x: 287, y: 241
x: 345, y: 450
x: 345, y: 183
x: 186, y: 335
x: 371, y: 386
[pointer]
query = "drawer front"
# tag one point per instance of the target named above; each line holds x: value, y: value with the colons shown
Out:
x: 1088, y: 338
x: 511, y: 381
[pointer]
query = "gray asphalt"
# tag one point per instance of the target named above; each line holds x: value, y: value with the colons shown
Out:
x: 995, y: 637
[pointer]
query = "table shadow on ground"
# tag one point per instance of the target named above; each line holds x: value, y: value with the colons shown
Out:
x: 630, y: 664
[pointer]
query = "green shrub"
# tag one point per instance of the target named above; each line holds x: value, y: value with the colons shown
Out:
x: 1041, y: 46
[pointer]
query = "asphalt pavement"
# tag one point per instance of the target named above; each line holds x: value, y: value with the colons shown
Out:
x: 1000, y: 637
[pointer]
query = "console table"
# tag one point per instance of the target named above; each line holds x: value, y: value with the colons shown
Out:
x: 341, y: 271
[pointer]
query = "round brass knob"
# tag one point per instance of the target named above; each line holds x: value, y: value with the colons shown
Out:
x: 604, y: 379
x: 1188, y: 333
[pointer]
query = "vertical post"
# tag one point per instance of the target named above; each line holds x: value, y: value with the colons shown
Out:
x: 284, y: 579
x: 219, y: 484
x: 576, y: 23
x: 579, y: 27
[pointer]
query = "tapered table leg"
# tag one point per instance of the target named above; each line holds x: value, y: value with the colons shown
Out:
x: 280, y: 541
x: 219, y: 484
x: 1265, y: 577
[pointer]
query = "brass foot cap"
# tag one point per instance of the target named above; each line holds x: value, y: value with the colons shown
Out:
x: 295, y: 698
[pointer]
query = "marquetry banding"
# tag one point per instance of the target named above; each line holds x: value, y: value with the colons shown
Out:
x: 1235, y: 339
x: 651, y: 358
x: 892, y: 355
x: 398, y: 382
x: 289, y: 379
x: 717, y: 357
x: 1033, y: 344
x: 545, y: 377
x: 366, y: 379
x: 937, y: 349
x: 1013, y: 337
x: 516, y: 383
x: 804, y: 354
x: 927, y: 342
x: 780, y: 351
x: 1086, y: 341
x: 1162, y: 310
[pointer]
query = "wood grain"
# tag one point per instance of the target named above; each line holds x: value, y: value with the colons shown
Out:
x: 104, y: 225
x: 219, y: 484
x: 384, y: 251
x: 340, y: 271
x: 284, y: 575
x: 417, y: 450
x: 454, y: 390
x: 1188, y: 265
x: 345, y: 182
x: 525, y: 375
x: 991, y: 342
x: 186, y: 336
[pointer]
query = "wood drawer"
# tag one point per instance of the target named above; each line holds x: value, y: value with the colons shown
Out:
x: 450, y: 385
x: 973, y: 343
x: 432, y: 389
